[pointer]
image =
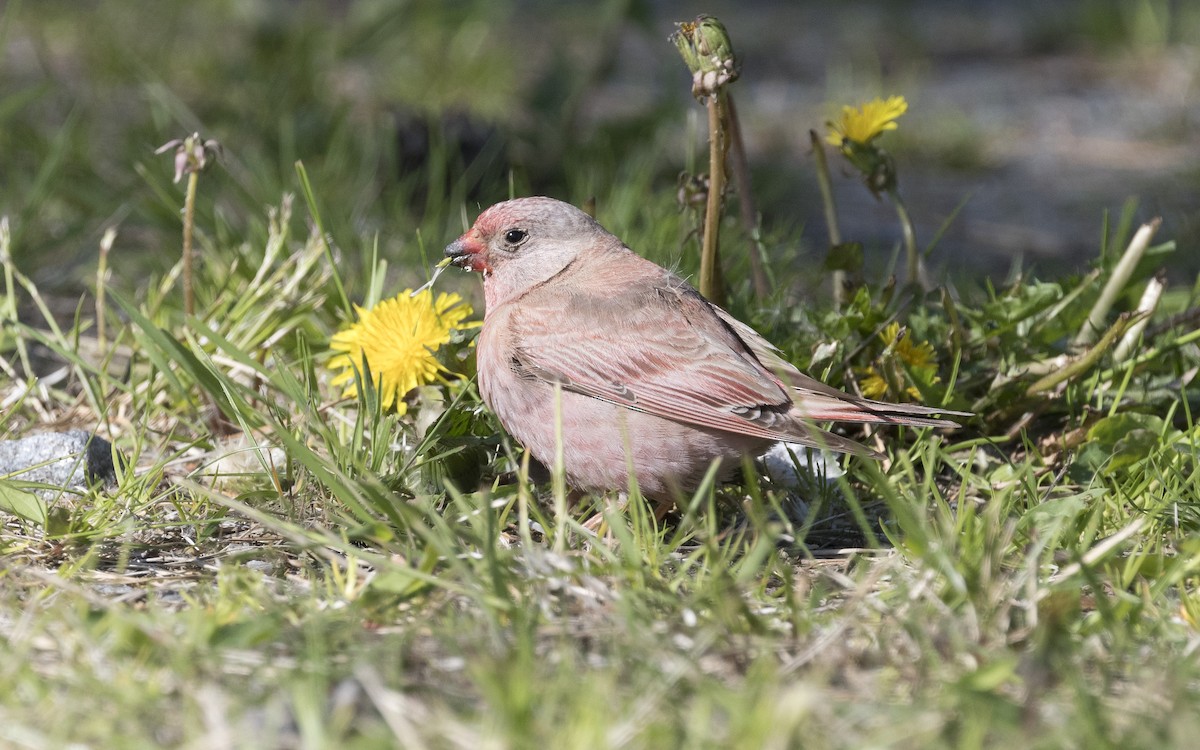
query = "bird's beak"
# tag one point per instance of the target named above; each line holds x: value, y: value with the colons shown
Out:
x: 465, y: 252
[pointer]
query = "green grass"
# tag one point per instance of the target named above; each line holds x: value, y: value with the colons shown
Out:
x: 281, y: 567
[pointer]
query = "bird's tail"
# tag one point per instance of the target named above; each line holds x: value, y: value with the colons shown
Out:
x: 825, y: 407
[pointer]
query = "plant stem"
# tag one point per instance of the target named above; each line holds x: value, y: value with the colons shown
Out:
x: 831, y: 217
x: 740, y: 167
x: 558, y: 481
x: 106, y: 243
x: 189, y: 220
x: 1121, y: 274
x: 311, y: 199
x: 1065, y: 370
x: 9, y: 308
x: 1146, y: 307
x: 913, y: 258
x: 709, y: 253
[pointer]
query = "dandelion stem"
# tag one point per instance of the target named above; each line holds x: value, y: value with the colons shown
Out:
x: 912, y: 257
x: 189, y: 220
x: 106, y: 243
x: 709, y: 254
x: 740, y: 168
x: 831, y: 217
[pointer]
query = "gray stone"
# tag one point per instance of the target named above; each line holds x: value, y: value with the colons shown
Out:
x: 70, y: 460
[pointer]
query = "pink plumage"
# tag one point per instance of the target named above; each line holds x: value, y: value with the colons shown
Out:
x: 586, y: 342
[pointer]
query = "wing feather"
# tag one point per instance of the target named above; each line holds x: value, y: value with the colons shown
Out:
x: 821, y: 402
x: 658, y: 347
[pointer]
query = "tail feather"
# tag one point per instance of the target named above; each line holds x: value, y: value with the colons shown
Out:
x: 823, y: 407
x: 818, y: 402
x: 804, y: 432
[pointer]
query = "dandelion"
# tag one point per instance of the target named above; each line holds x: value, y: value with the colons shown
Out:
x: 917, y: 356
x: 864, y: 124
x: 707, y: 51
x: 192, y: 155
x: 873, y: 385
x: 854, y: 135
x: 397, y: 341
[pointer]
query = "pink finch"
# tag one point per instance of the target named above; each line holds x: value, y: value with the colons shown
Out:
x: 588, y: 345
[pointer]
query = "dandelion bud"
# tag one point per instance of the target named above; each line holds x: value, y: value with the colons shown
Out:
x: 191, y: 153
x: 706, y: 49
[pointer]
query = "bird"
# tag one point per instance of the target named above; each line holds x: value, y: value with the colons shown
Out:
x: 604, y: 363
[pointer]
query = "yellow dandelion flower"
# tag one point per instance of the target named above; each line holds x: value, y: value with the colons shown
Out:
x: 873, y: 385
x: 398, y: 339
x: 866, y: 123
x: 919, y: 356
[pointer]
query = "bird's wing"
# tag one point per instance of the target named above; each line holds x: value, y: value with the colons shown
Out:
x: 655, y: 345
x: 821, y: 402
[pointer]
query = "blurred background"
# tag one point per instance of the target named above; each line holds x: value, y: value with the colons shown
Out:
x: 1028, y: 121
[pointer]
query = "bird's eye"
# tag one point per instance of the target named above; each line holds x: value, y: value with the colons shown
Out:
x: 515, y: 236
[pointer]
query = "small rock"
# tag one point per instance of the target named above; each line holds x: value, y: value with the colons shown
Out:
x: 71, y: 460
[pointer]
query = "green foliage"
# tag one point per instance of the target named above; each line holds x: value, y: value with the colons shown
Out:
x: 280, y: 566
x: 22, y: 503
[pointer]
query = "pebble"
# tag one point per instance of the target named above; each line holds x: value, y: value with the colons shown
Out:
x: 73, y: 459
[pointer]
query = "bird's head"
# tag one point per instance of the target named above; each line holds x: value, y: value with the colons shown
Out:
x: 519, y: 243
